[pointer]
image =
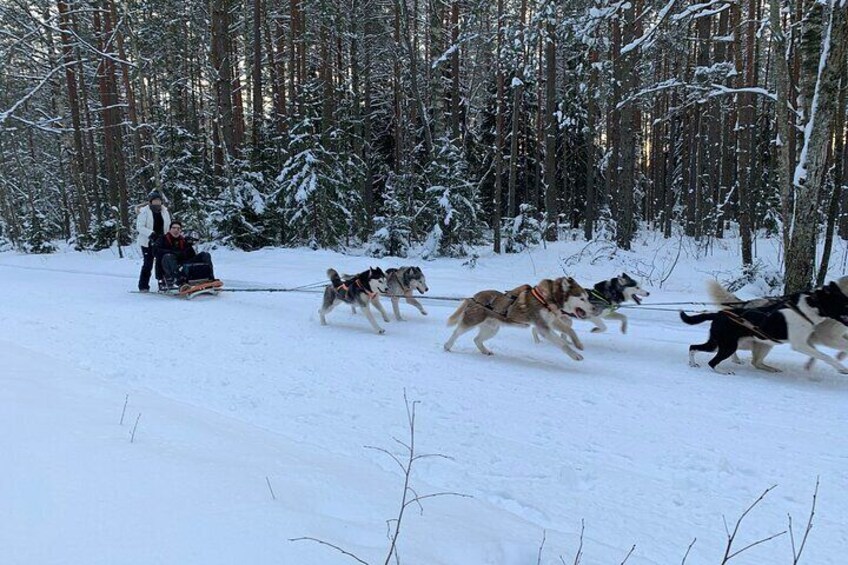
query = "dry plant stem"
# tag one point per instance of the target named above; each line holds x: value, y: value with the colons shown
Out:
x: 579, y: 555
x: 541, y: 547
x: 796, y: 555
x: 267, y: 480
x: 688, y: 549
x: 629, y: 553
x: 124, y: 411
x: 728, y: 552
x: 135, y: 426
x: 337, y: 548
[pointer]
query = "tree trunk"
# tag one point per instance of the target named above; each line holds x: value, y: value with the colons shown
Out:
x: 811, y: 169
x: 551, y: 126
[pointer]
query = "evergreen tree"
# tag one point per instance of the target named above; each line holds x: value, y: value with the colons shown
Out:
x: 454, y: 205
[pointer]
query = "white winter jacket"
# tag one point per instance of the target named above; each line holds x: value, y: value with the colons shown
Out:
x: 144, y: 224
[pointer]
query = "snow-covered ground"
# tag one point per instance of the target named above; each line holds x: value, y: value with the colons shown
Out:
x: 247, y: 386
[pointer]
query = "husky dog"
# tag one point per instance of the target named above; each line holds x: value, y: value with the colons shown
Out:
x: 607, y: 296
x: 791, y: 319
x: 829, y: 333
x: 402, y: 283
x: 358, y: 290
x: 546, y: 307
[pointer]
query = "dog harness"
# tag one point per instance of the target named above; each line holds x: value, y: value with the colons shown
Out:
x: 344, y: 289
x: 538, y: 296
x: 608, y: 303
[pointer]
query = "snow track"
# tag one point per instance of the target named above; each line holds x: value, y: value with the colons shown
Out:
x: 645, y: 449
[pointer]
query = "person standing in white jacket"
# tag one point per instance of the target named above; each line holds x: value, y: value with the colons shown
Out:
x: 150, y: 225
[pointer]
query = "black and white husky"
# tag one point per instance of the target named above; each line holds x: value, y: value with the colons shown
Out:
x: 829, y: 333
x: 358, y: 290
x: 793, y: 320
x: 607, y: 296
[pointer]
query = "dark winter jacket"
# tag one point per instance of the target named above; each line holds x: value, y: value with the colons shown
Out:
x: 176, y: 245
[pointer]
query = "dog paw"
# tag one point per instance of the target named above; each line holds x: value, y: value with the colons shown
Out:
x: 423, y: 312
x: 693, y: 365
x: 446, y: 348
x: 596, y: 330
x: 843, y: 371
x: 386, y: 319
x: 381, y: 331
x: 624, y: 329
x: 488, y: 353
x: 579, y: 345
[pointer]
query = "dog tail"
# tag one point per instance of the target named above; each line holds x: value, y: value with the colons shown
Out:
x: 719, y: 294
x: 698, y: 318
x: 334, y: 277
x: 454, y: 319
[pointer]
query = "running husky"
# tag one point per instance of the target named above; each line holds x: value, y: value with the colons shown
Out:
x: 829, y: 333
x: 546, y: 307
x: 402, y: 283
x: 607, y: 296
x: 791, y: 319
x: 358, y: 290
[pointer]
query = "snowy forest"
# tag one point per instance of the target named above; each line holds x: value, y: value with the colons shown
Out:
x: 434, y: 125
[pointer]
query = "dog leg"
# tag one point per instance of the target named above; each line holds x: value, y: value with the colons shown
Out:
x: 323, y: 311
x: 536, y: 338
x: 709, y: 346
x: 807, y: 349
x: 379, y: 306
x: 557, y: 340
x: 413, y: 302
x: 367, y: 311
x: 487, y: 332
x: 621, y: 317
x: 758, y: 357
x: 735, y: 359
x: 600, y: 326
x: 567, y: 328
x: 396, y: 308
x: 725, y: 350
x: 460, y: 329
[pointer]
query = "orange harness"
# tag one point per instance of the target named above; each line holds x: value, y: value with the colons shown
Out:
x: 538, y: 296
x: 344, y: 288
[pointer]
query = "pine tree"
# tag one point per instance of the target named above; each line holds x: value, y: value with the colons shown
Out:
x: 392, y: 228
x: 454, y: 201
x: 315, y: 195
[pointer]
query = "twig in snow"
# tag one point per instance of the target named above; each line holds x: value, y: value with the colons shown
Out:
x: 579, y: 555
x: 132, y: 436
x: 796, y: 555
x: 267, y: 480
x: 629, y: 553
x: 731, y: 537
x: 124, y: 411
x: 337, y: 548
x: 541, y: 547
x: 688, y: 549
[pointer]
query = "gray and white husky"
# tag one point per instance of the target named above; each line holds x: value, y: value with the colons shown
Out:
x: 402, y: 283
x: 358, y: 290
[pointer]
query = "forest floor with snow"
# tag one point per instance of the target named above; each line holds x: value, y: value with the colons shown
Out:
x: 233, y: 394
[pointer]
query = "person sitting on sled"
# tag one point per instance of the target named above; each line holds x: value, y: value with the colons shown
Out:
x: 180, y: 263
